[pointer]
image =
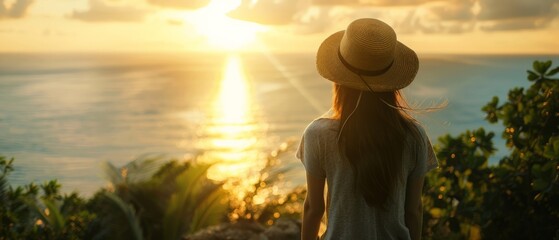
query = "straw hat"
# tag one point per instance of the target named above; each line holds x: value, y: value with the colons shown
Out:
x: 367, y: 51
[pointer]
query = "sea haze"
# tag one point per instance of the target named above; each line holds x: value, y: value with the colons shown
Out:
x: 62, y: 115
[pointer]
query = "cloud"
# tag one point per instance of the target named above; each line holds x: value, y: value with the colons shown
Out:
x: 17, y: 10
x: 313, y: 20
x: 333, y: 18
x: 415, y: 23
x: 503, y: 15
x: 517, y: 24
x: 300, y: 16
x: 456, y: 16
x: 509, y: 9
x: 334, y: 2
x: 407, y: 16
x: 371, y: 2
x: 313, y: 16
x: 270, y: 12
x: 180, y: 4
x: 99, y: 11
x: 458, y: 10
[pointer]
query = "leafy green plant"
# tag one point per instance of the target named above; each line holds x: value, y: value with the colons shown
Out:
x: 128, y: 212
x: 454, y: 193
x: 526, y: 182
x: 40, y: 212
x: 173, y: 200
x: 196, y: 204
x: 517, y: 198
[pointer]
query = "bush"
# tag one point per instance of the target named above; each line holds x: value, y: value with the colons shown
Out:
x: 516, y: 199
x: 40, y: 212
x: 145, y: 200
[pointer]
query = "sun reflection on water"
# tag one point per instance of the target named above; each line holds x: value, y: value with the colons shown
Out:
x: 232, y: 134
x: 233, y: 99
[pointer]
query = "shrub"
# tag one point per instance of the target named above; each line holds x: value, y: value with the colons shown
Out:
x: 40, y: 212
x: 516, y: 199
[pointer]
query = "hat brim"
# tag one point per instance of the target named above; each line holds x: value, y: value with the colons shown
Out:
x: 399, y: 75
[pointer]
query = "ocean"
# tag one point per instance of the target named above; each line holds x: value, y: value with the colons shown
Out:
x: 62, y: 115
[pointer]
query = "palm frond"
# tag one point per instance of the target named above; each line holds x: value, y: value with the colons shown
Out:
x: 54, y: 218
x: 209, y: 211
x: 182, y: 204
x: 112, y: 173
x: 142, y: 168
x: 129, y: 213
x: 139, y: 169
x: 4, y: 189
x: 6, y: 166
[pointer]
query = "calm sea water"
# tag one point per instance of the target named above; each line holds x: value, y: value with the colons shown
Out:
x: 62, y: 115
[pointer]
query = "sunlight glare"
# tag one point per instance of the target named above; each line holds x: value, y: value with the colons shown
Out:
x: 233, y: 97
x: 221, y: 31
x: 233, y: 130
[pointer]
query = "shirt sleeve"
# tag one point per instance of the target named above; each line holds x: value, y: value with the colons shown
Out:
x: 309, y: 152
x: 426, y: 157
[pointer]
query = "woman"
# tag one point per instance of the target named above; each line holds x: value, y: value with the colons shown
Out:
x: 372, y: 155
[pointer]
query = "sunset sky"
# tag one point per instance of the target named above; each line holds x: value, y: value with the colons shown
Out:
x: 428, y: 26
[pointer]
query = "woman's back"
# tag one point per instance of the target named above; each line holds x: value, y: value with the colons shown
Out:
x: 349, y: 216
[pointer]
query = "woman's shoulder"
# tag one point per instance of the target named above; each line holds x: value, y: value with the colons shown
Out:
x: 420, y: 129
x: 321, y: 125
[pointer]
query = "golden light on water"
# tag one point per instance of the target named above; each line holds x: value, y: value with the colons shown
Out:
x: 233, y: 101
x: 232, y: 135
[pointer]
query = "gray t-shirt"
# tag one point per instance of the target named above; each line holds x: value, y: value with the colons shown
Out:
x: 349, y: 216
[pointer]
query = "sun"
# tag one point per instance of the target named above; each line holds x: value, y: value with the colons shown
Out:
x: 222, y: 32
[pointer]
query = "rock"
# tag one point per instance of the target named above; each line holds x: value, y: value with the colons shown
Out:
x: 284, y: 229
x: 230, y: 231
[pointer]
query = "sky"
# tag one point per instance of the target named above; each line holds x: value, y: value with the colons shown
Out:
x: 427, y: 26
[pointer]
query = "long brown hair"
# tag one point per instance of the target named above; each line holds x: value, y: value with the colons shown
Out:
x: 373, y: 139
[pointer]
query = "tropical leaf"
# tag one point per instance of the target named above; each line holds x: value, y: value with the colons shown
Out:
x: 179, y: 214
x: 142, y: 168
x: 6, y: 165
x: 171, y: 224
x: 4, y: 190
x: 139, y: 169
x: 129, y: 213
x: 209, y: 211
x: 112, y: 173
x: 552, y: 72
x: 54, y: 218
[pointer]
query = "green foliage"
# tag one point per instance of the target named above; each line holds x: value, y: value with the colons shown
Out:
x: 144, y: 200
x: 172, y: 200
x: 528, y: 179
x: 454, y: 192
x: 516, y: 199
x: 32, y: 212
x: 128, y: 212
x: 196, y: 204
x: 177, y: 199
